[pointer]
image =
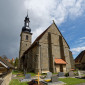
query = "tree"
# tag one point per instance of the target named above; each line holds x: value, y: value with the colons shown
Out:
x: 11, y: 62
x: 5, y: 57
x: 16, y: 62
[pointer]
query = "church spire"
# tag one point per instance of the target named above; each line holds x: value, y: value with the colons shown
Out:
x: 26, y: 24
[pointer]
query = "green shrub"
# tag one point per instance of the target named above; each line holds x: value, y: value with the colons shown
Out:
x: 66, y: 74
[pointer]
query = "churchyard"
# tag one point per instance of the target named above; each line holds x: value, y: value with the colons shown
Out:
x: 72, y: 78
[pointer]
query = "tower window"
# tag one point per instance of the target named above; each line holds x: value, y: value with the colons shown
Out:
x: 26, y: 37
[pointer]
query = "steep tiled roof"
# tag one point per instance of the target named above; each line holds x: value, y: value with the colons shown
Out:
x: 39, y: 37
x: 59, y: 61
x: 79, y: 57
x: 6, y: 63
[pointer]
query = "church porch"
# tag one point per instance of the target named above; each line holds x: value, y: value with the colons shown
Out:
x: 60, y: 65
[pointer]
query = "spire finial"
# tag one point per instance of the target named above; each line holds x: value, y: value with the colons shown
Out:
x: 27, y: 12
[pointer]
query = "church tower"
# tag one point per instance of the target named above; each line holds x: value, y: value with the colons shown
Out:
x: 25, y: 36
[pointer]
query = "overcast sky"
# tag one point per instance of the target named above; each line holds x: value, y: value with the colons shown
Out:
x: 69, y: 16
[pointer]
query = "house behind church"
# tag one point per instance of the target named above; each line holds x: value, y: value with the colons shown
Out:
x: 49, y: 51
x: 80, y: 61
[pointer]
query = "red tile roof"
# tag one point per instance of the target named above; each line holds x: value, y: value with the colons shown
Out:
x: 60, y: 61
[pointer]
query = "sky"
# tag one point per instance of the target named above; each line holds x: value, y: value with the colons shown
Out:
x: 69, y: 16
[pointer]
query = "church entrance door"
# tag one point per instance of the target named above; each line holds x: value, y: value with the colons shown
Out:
x: 61, y: 68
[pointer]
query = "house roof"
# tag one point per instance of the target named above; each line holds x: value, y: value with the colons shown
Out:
x: 59, y: 61
x: 39, y: 37
x: 80, y: 57
x: 5, y: 63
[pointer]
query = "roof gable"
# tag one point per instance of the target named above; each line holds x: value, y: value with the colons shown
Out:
x: 41, y: 35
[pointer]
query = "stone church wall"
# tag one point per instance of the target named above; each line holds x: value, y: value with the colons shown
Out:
x: 51, y: 45
x: 32, y: 59
x: 44, y: 58
x: 56, y: 48
x: 72, y: 60
x: 67, y: 58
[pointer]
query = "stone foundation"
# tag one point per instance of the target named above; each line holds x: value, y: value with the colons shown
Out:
x: 6, y: 79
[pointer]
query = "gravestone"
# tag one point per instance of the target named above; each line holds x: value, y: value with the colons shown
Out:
x: 71, y: 74
x: 60, y: 74
x: 27, y: 76
x: 79, y: 73
x: 49, y: 75
x: 54, y: 78
x: 24, y: 71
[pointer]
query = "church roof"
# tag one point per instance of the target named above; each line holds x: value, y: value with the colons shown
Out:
x: 59, y: 61
x: 5, y: 63
x: 39, y: 37
x: 80, y: 57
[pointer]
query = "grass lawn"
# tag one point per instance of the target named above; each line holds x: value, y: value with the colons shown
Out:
x: 21, y: 74
x: 17, y: 82
x: 72, y: 81
x: 32, y: 74
x: 69, y: 81
x: 16, y: 72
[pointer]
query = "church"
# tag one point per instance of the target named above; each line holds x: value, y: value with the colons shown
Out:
x: 49, y: 51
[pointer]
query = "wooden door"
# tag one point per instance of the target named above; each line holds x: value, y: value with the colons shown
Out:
x: 61, y: 68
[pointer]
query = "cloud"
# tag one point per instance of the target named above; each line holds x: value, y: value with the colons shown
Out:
x: 82, y: 38
x: 77, y: 49
x: 41, y: 14
x: 44, y: 11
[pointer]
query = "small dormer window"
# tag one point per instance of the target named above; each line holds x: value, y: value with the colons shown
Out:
x: 26, y: 37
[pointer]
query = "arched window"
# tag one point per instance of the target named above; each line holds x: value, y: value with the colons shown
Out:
x: 26, y: 37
